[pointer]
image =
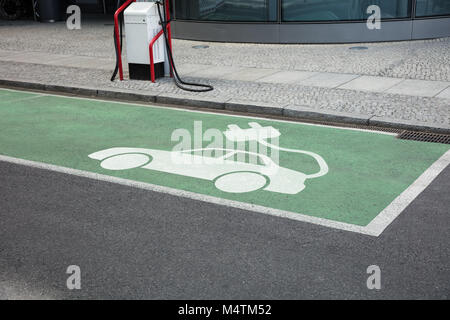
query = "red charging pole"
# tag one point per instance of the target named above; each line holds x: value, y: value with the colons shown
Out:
x: 169, y: 31
x: 150, y: 47
x: 116, y: 28
x: 150, y: 51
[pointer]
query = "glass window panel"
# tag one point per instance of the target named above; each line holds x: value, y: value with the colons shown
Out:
x: 342, y: 10
x: 227, y: 10
x: 426, y: 8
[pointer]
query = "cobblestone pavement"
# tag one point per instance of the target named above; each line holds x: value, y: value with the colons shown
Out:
x: 426, y: 60
x: 94, y: 39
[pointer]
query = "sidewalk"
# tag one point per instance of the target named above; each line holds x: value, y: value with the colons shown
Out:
x: 405, y: 84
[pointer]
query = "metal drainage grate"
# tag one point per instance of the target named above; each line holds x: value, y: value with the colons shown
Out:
x: 200, y: 47
x: 362, y: 127
x: 424, y: 136
x: 352, y: 126
x: 359, y: 48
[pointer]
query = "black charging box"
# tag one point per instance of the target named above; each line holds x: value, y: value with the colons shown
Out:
x: 142, y: 71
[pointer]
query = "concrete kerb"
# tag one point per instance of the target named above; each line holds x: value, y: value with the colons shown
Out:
x: 254, y: 107
x: 294, y: 111
x: 23, y: 85
x: 191, y: 101
x: 288, y: 111
x: 89, y: 92
x: 128, y: 95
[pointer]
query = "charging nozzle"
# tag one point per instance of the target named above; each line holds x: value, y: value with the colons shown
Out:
x: 255, y: 133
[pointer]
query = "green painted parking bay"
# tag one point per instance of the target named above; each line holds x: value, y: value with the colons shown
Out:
x: 348, y: 179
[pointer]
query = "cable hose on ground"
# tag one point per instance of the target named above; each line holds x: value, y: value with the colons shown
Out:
x: 176, y: 78
x: 116, y: 69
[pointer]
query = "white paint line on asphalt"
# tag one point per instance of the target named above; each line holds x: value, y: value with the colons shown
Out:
x: 381, y: 221
x: 211, y: 113
x: 24, y: 99
x: 189, y: 195
x: 374, y: 228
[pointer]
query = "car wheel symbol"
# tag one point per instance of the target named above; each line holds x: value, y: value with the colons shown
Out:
x: 126, y: 161
x: 240, y: 182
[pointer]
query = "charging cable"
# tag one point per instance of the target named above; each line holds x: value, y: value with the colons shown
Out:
x: 116, y: 69
x: 183, y: 85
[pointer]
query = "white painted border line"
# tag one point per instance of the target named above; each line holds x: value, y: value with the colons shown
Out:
x: 35, y: 96
x: 187, y: 194
x: 204, y: 112
x: 374, y: 228
x: 392, y: 211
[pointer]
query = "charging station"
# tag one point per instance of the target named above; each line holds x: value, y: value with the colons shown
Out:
x: 142, y: 24
x: 148, y: 43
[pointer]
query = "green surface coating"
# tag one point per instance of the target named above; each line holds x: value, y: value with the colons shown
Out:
x: 367, y: 170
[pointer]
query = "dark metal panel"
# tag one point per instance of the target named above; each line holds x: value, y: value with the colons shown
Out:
x: 344, y: 32
x: 431, y: 28
x: 311, y: 32
x: 226, y: 32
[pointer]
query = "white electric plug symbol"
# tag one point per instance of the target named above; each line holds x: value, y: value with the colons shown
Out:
x: 255, y: 133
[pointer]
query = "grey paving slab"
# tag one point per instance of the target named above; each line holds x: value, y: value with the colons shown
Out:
x: 5, y: 53
x: 104, y: 64
x: 214, y: 72
x: 371, y: 83
x: 328, y: 80
x: 420, y: 88
x: 444, y: 94
x: 287, y: 77
x: 34, y: 57
x: 249, y: 74
x: 187, y: 68
x: 87, y: 62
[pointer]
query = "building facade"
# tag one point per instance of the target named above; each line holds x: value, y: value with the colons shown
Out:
x: 310, y: 21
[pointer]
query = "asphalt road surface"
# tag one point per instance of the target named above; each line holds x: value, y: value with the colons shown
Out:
x: 137, y: 244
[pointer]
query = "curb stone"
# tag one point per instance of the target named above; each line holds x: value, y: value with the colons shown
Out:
x: 191, y: 101
x: 295, y: 111
x: 254, y: 107
x: 289, y: 111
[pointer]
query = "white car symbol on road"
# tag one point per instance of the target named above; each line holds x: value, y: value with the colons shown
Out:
x: 228, y: 175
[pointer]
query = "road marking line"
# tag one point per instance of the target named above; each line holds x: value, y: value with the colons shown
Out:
x: 392, y: 211
x: 374, y: 228
x: 24, y: 99
x: 207, y: 112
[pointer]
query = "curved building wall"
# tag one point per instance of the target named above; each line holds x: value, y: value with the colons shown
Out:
x: 309, y: 21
